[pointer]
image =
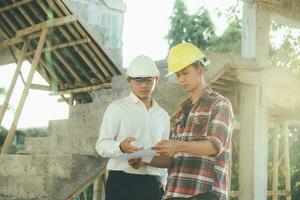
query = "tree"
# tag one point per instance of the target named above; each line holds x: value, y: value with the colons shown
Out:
x: 287, y: 54
x: 178, y: 23
x: 197, y: 29
x: 230, y: 41
x: 200, y: 29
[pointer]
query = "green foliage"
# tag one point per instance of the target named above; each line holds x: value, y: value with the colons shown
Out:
x: 197, y: 29
x: 2, y: 91
x: 3, y: 133
x: 230, y: 41
x: 178, y: 23
x: 287, y: 55
x: 294, y: 146
x: 200, y: 29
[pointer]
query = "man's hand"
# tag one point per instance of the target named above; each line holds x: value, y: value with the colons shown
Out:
x: 136, y: 163
x: 167, y: 147
x: 126, y: 147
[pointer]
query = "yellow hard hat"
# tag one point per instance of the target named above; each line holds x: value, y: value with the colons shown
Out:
x: 182, y: 55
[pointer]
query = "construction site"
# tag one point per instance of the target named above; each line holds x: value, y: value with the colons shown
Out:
x: 76, y: 46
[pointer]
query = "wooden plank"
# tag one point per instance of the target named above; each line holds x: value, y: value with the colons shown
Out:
x: 66, y: 64
x: 85, y: 89
x: 83, y: 196
x: 279, y: 193
x: 287, y: 170
x: 12, y: 130
x: 84, y: 185
x: 15, y: 5
x: 47, y: 24
x: 51, y: 63
x: 8, y: 21
x: 13, y: 82
x: 14, y: 41
x: 40, y: 87
x: 92, y: 44
x: 223, y: 88
x: 52, y: 73
x: 31, y: 22
x: 275, y: 160
x: 21, y: 22
x: 64, y: 45
x: 67, y: 53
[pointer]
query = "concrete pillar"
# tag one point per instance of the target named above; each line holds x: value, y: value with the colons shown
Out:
x: 253, y: 155
x: 253, y: 116
x: 255, y: 33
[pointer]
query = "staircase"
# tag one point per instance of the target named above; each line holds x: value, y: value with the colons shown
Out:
x: 56, y: 166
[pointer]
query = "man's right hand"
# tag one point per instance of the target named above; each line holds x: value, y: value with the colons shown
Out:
x: 126, y: 147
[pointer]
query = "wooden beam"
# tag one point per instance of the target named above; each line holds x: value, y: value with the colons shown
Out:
x: 13, y: 82
x: 64, y: 45
x: 47, y: 24
x: 36, y: 59
x: 99, y: 53
x: 40, y: 87
x: 269, y: 193
x: 275, y: 160
x: 97, y: 189
x: 287, y: 170
x: 222, y: 88
x: 82, y: 195
x: 85, y: 89
x: 84, y: 185
x: 57, y: 66
x: 66, y: 35
x: 14, y: 41
x: 14, y: 5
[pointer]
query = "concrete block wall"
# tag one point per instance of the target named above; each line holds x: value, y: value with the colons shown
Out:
x: 105, y: 22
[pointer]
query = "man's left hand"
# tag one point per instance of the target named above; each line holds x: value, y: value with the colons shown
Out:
x: 167, y: 147
x: 136, y: 163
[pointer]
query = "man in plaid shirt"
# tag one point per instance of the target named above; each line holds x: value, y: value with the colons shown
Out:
x: 201, y: 141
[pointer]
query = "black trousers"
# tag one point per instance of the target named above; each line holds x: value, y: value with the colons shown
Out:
x: 124, y: 186
x: 205, y: 196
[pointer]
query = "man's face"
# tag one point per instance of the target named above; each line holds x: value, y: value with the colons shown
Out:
x: 142, y: 87
x: 190, y: 77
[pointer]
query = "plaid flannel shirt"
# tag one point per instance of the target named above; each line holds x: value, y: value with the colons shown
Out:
x: 210, y: 118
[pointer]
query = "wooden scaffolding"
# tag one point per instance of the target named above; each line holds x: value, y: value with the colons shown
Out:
x: 59, y: 48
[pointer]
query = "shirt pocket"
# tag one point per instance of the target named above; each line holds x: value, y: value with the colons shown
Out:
x: 200, y: 125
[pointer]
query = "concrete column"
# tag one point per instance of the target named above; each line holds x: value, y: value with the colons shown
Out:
x: 253, y: 155
x: 255, y: 33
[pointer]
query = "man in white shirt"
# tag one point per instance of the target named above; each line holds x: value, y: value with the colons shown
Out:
x: 129, y: 125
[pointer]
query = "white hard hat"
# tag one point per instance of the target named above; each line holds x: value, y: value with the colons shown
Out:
x: 142, y: 66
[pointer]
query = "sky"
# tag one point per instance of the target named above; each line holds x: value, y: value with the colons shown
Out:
x: 146, y: 23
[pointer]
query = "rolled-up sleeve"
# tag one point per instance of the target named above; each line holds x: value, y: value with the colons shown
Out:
x: 220, y: 125
x: 106, y: 145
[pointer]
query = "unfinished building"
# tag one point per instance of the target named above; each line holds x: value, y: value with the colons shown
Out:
x: 75, y: 45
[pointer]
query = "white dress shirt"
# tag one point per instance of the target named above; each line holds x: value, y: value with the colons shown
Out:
x: 129, y: 117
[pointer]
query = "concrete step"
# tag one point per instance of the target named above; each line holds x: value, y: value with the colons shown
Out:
x: 75, y: 145
x: 74, y: 127
x: 35, y: 165
x: 37, y: 145
x: 84, y: 168
x: 25, y: 187
x: 61, y: 145
x: 87, y: 112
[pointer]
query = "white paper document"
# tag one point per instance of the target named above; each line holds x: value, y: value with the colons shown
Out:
x: 145, y: 154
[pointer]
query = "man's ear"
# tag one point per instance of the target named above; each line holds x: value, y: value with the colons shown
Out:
x: 201, y: 70
x: 157, y: 79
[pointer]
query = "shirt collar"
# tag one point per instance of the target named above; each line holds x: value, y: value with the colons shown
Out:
x: 133, y: 98
x: 205, y: 95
